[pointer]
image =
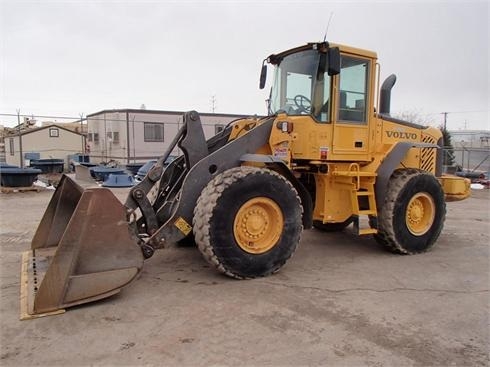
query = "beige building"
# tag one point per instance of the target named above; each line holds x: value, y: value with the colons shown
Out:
x: 75, y: 126
x: 53, y: 141
x: 2, y: 143
x: 136, y: 135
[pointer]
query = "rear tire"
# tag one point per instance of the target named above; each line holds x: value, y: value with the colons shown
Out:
x: 413, y: 213
x: 247, y: 222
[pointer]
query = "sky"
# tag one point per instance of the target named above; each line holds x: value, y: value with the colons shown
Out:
x: 67, y: 58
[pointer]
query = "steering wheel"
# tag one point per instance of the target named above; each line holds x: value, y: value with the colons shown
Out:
x: 303, y: 103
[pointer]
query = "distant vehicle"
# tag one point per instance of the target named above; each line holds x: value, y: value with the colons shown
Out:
x: 140, y: 175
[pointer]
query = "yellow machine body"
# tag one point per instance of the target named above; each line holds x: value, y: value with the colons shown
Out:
x: 347, y: 150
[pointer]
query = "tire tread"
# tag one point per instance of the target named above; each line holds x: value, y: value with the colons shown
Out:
x: 386, y: 231
x: 206, y: 203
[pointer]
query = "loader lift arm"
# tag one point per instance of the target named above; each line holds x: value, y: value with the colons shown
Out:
x: 160, y: 208
x: 160, y: 186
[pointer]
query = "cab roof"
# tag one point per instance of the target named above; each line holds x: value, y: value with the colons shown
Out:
x: 276, y: 58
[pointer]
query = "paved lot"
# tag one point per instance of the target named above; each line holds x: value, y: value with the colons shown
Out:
x: 340, y: 301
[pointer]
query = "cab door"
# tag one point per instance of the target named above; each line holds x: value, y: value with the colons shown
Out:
x: 351, y: 110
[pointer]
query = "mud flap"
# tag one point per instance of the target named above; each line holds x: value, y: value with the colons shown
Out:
x: 83, y: 250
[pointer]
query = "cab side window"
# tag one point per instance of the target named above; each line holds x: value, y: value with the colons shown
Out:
x: 353, y: 90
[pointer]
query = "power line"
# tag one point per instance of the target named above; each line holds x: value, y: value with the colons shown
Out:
x: 41, y: 116
x: 475, y: 111
x: 456, y: 112
x: 78, y: 119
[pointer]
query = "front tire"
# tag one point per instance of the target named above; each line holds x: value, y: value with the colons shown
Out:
x: 413, y: 213
x: 247, y: 222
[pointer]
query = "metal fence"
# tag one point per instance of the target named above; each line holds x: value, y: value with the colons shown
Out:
x: 469, y: 159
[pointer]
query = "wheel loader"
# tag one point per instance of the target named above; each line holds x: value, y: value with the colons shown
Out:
x: 327, y: 155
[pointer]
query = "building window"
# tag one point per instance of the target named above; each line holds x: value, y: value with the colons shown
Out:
x: 153, y: 132
x: 113, y: 137
x: 11, y: 145
x: 93, y: 137
x: 218, y: 128
x: 54, y: 132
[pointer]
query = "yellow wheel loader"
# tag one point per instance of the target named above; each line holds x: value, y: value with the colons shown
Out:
x: 327, y: 155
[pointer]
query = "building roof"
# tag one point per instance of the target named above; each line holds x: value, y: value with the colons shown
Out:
x: 35, y: 129
x: 469, y: 131
x: 161, y: 112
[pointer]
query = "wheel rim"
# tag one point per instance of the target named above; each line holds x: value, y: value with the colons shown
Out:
x: 420, y: 213
x: 258, y: 225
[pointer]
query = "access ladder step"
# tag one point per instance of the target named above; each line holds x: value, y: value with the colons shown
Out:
x: 364, y: 193
x: 363, y: 231
x: 367, y: 212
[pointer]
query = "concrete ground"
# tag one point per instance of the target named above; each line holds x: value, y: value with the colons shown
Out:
x: 340, y: 301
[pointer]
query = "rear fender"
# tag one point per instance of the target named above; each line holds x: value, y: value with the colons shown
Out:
x: 390, y: 163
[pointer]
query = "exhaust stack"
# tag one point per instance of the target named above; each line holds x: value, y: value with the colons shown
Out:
x: 385, y: 94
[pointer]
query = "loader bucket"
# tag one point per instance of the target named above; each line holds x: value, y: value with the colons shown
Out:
x: 83, y: 251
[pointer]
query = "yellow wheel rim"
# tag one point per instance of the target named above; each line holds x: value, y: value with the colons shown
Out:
x: 420, y: 214
x: 258, y: 225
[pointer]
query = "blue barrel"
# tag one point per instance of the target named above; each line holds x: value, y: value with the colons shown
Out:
x: 48, y: 165
x: 6, y: 165
x: 141, y: 173
x: 101, y: 173
x: 119, y: 180
x: 133, y: 167
x: 18, y: 177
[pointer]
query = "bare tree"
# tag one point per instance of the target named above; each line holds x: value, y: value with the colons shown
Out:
x: 416, y: 117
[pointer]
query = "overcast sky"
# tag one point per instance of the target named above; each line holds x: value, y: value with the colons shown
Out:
x: 64, y: 58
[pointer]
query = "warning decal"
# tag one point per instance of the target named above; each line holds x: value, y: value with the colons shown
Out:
x: 183, y: 226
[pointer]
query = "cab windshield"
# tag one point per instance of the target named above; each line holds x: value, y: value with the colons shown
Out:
x: 298, y: 87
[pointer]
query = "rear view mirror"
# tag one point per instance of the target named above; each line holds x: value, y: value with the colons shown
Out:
x: 333, y: 56
x: 263, y: 76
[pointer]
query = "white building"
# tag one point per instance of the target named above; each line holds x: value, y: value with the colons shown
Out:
x: 136, y: 135
x: 470, y: 138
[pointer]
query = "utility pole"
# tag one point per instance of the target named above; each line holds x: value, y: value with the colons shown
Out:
x: 20, y: 140
x: 445, y: 119
x: 83, y: 142
x: 213, y: 103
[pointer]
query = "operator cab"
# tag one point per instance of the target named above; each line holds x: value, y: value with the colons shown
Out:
x: 303, y: 80
x: 329, y: 85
